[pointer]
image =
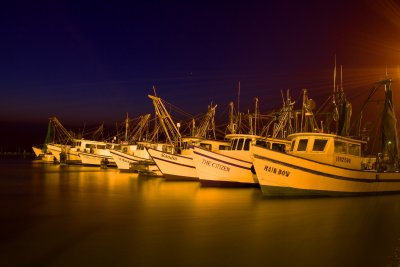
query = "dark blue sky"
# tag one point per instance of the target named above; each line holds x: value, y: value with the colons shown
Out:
x: 94, y: 61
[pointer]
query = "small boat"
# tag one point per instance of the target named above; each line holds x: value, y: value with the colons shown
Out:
x: 320, y: 163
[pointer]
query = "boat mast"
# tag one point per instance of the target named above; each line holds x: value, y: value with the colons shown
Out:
x: 206, y: 123
x: 255, y: 115
x: 232, y: 124
x: 126, y: 127
x: 389, y: 129
x: 170, y: 129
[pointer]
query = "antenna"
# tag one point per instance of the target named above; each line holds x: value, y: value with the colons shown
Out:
x: 238, y: 97
x: 126, y: 127
x: 341, y: 78
x: 255, y: 115
x: 334, y: 77
x: 154, y: 90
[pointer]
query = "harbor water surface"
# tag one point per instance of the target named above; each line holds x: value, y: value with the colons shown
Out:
x: 52, y: 215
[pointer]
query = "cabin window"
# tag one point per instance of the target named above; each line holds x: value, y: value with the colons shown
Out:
x: 354, y: 149
x: 184, y: 145
x: 246, y: 144
x: 205, y: 146
x: 90, y: 146
x: 340, y: 147
x: 240, y: 144
x: 167, y: 149
x: 101, y: 146
x: 302, y: 146
x: 278, y: 147
x: 223, y: 147
x: 319, y: 144
x: 234, y: 144
x: 125, y: 150
x: 292, y: 145
x: 261, y: 143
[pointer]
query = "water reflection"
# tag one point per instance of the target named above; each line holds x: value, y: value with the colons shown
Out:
x: 82, y: 216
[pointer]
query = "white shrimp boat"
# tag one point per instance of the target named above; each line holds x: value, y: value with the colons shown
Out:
x: 135, y: 158
x: 65, y: 153
x: 43, y: 156
x: 98, y: 154
x: 175, y: 157
x: 232, y: 167
x: 62, y: 144
x: 176, y: 166
x: 71, y: 153
x: 37, y: 151
x: 332, y: 164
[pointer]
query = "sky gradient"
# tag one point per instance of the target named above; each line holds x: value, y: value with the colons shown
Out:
x: 92, y: 62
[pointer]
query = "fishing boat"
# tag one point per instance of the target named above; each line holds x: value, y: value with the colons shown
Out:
x: 43, y: 155
x: 232, y: 167
x: 321, y: 163
x: 135, y: 158
x: 181, y: 166
x: 97, y: 153
x: 71, y: 153
x: 175, y: 158
x: 132, y: 156
x: 62, y: 144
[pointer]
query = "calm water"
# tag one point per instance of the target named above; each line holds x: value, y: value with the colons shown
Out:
x: 54, y: 215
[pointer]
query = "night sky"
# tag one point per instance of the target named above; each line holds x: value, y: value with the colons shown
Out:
x: 92, y: 62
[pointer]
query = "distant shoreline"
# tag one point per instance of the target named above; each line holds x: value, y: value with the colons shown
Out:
x: 17, y: 153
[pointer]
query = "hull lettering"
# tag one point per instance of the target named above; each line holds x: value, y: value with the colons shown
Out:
x: 277, y: 171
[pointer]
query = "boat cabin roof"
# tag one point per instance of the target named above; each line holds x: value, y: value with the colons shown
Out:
x: 324, y: 136
x: 248, y: 136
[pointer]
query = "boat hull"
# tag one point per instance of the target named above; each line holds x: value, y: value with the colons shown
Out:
x: 216, y: 169
x: 90, y: 159
x: 281, y: 174
x: 131, y: 163
x: 173, y: 166
x: 71, y: 155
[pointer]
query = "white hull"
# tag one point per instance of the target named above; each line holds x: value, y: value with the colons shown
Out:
x: 281, y: 174
x: 42, y: 156
x: 47, y: 158
x: 173, y: 166
x: 37, y: 151
x: 127, y: 162
x: 72, y: 156
x: 55, y: 150
x: 94, y: 159
x: 225, y: 168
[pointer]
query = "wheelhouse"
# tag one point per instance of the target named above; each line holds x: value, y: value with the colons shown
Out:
x: 327, y: 148
x: 244, y: 142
